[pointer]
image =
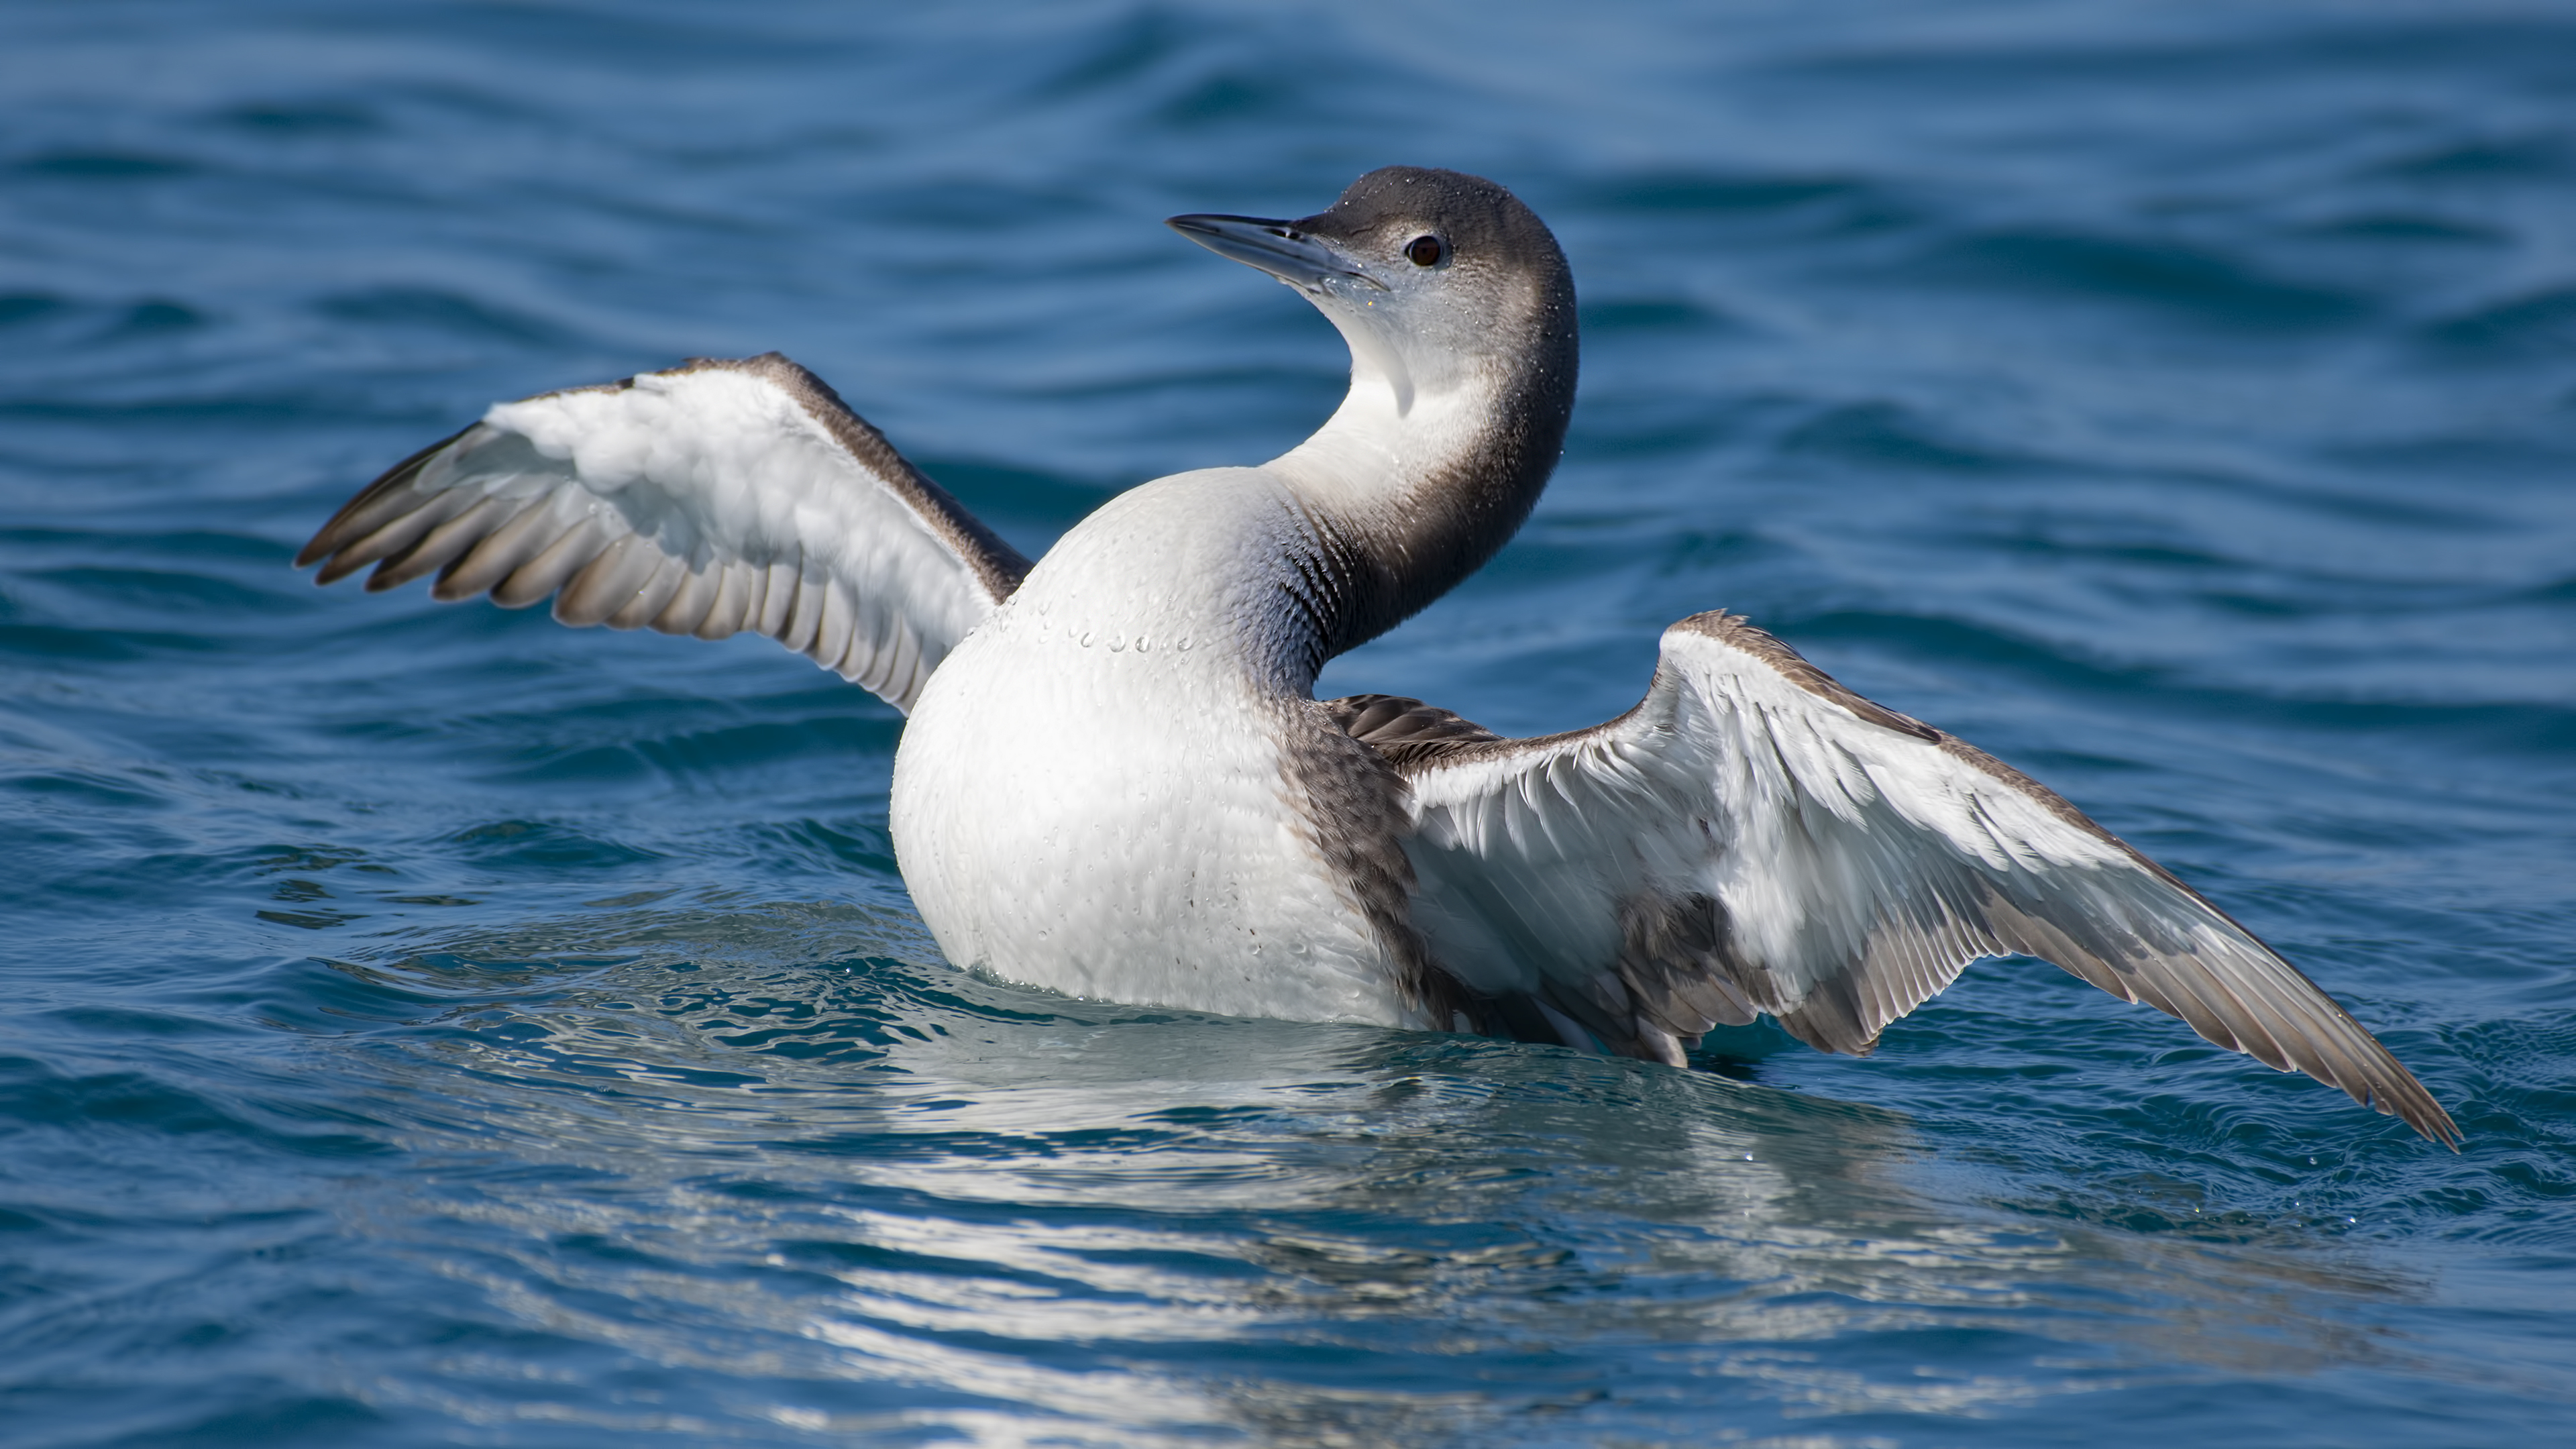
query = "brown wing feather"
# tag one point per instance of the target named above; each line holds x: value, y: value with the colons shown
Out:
x: 1625, y: 819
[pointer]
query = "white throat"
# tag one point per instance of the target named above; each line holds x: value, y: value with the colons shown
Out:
x: 1390, y: 438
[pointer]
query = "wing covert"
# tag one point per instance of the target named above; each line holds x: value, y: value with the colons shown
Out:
x: 1755, y: 837
x: 716, y: 497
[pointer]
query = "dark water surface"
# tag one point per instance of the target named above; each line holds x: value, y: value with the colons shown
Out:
x: 433, y: 1026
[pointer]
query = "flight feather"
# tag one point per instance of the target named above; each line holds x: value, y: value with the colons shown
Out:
x: 1754, y: 837
x: 714, y: 498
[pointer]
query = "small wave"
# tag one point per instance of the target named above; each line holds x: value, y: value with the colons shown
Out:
x: 2175, y: 281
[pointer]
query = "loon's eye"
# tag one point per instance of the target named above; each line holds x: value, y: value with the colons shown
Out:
x: 1425, y: 251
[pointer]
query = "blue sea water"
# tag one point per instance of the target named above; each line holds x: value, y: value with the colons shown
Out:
x: 432, y: 1026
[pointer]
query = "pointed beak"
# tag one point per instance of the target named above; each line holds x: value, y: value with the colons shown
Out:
x: 1276, y: 247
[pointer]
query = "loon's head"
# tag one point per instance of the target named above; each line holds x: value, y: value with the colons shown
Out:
x: 1459, y: 311
x: 1438, y: 280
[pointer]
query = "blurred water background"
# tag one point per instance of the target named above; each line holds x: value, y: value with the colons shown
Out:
x: 431, y: 1026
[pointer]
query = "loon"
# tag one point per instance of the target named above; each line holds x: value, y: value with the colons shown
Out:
x: 1115, y: 780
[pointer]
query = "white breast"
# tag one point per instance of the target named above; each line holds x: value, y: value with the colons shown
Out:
x: 1090, y: 793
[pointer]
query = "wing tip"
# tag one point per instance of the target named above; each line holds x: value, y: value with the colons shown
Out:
x: 345, y: 526
x: 2409, y: 1102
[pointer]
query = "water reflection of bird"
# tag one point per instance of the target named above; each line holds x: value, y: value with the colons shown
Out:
x: 1116, y: 781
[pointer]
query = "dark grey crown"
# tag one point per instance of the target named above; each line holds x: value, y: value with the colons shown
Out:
x: 1482, y: 224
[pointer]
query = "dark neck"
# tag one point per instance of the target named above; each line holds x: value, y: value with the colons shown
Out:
x: 1410, y: 493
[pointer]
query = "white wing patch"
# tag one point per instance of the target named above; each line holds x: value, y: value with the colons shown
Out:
x: 1754, y: 837
x: 710, y: 499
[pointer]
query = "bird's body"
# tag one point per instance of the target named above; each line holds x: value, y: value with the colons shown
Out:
x: 1116, y: 782
x: 1067, y: 817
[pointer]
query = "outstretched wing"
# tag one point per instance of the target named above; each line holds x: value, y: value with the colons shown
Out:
x: 1754, y: 837
x: 716, y: 497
